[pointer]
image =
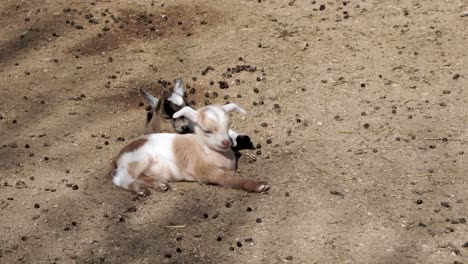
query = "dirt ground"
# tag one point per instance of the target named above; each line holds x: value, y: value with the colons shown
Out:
x: 360, y: 109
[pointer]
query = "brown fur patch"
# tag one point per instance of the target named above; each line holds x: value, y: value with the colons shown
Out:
x: 214, y: 167
x: 158, y: 124
x: 191, y: 159
x: 132, y: 146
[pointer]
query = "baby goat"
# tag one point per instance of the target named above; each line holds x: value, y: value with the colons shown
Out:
x: 159, y: 118
x: 206, y: 156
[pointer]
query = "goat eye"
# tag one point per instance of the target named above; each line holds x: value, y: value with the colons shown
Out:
x: 207, y: 131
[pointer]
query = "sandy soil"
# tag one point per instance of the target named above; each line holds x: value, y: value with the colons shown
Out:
x: 359, y: 107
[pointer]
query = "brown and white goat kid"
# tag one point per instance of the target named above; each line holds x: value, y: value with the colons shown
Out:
x: 154, y: 160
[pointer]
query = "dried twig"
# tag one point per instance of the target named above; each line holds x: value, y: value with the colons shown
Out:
x: 319, y: 169
x: 389, y: 133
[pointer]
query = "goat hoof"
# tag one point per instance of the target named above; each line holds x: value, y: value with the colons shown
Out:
x: 162, y: 187
x: 143, y: 192
x: 263, y: 187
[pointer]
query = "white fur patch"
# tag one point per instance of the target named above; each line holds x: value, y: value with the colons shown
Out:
x: 233, y: 135
x: 158, y: 154
x: 176, y: 99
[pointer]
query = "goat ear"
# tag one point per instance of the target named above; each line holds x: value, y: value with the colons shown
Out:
x: 188, y: 112
x: 177, y: 97
x: 233, y: 107
x: 179, y: 87
x: 153, y: 101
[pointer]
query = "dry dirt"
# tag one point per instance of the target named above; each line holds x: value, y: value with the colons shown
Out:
x: 361, y: 114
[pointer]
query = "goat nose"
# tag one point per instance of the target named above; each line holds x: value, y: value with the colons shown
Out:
x: 226, y: 143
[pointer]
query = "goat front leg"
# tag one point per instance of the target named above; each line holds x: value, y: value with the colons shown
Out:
x: 230, y: 180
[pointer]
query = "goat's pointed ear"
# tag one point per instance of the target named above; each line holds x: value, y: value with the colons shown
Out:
x: 153, y: 101
x: 233, y: 107
x: 177, y: 97
x: 179, y: 87
x: 188, y: 112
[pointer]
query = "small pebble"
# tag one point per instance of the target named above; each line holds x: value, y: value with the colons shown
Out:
x: 289, y: 258
x: 20, y: 185
x: 259, y: 220
x: 445, y: 204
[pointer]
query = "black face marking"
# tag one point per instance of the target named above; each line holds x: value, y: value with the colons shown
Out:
x: 170, y: 108
x: 184, y: 130
x: 149, y: 115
